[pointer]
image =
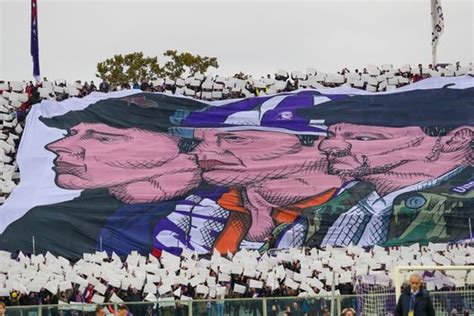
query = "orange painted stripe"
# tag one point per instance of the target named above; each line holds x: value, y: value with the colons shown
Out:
x: 290, y: 213
x: 232, y: 234
x: 231, y: 201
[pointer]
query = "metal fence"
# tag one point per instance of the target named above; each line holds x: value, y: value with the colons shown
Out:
x: 445, y: 303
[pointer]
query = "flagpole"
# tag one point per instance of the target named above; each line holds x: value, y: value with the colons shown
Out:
x: 34, y: 42
x: 437, y: 27
x: 433, y: 25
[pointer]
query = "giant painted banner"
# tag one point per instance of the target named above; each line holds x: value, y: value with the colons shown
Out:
x: 149, y: 172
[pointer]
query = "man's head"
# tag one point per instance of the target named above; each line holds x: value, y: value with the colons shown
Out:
x: 398, y: 139
x: 99, y: 311
x: 348, y: 312
x: 243, y: 157
x: 97, y: 155
x: 394, y: 158
x: 122, y: 310
x: 2, y: 308
x: 415, y: 282
x: 117, y: 142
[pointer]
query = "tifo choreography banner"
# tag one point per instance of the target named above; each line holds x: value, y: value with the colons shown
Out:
x: 149, y: 172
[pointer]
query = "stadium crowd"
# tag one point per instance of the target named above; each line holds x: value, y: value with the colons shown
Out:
x: 371, y: 78
x: 100, y: 279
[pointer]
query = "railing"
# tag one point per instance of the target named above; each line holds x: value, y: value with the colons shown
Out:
x: 368, y: 304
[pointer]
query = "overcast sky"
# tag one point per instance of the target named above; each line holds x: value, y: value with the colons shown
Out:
x: 257, y: 37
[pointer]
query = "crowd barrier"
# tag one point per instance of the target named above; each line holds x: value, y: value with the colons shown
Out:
x: 445, y: 303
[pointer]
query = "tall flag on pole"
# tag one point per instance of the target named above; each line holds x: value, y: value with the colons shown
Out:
x: 437, y: 26
x: 34, y: 45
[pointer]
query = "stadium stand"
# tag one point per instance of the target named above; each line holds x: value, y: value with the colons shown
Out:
x: 100, y: 279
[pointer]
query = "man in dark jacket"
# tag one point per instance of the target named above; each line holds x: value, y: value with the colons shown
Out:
x: 135, y: 296
x: 104, y: 86
x: 415, y: 301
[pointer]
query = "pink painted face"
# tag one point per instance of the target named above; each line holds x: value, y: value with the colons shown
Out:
x: 393, y: 158
x: 243, y: 157
x: 100, y: 156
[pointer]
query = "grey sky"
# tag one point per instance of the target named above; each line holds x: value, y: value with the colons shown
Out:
x: 257, y: 37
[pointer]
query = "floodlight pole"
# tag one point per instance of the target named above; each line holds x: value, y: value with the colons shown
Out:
x: 33, y: 244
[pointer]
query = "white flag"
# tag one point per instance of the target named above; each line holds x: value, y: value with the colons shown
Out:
x: 437, y: 23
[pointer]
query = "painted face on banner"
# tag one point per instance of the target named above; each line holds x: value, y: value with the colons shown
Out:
x: 393, y: 158
x: 243, y: 157
x: 97, y: 155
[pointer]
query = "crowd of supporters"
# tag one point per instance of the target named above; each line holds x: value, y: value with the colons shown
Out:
x: 199, y: 86
x: 16, y: 99
x: 102, y: 279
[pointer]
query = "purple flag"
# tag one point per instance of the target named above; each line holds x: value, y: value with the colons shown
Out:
x: 34, y: 40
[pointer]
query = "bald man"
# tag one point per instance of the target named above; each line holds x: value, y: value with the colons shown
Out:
x: 415, y: 301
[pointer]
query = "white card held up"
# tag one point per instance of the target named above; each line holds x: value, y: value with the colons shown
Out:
x: 165, y: 288
x: 125, y: 284
x: 211, y: 280
x: 305, y: 287
x: 306, y: 272
x: 52, y: 287
x: 249, y: 273
x: 291, y: 284
x: 314, y: 282
x: 297, y: 277
x: 430, y: 286
x: 115, y: 282
x: 224, y: 277
x: 100, y: 288
x: 212, y: 293
x: 345, y: 277
x: 202, y: 289
x: 255, y: 284
x: 236, y: 270
x: 185, y: 298
x: 150, y: 297
x: 220, y: 290
x: 98, y: 299
x: 239, y: 288
x: 149, y: 288
x: 272, y: 283
x: 35, y: 286
x: 115, y: 299
x: 177, y: 292
x: 4, y: 292
x: 63, y: 286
